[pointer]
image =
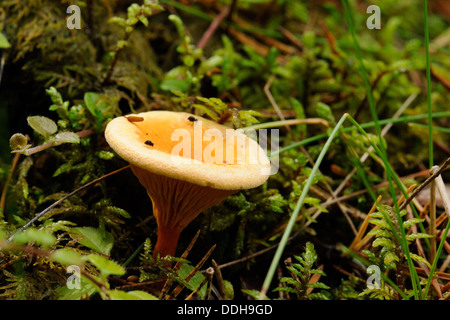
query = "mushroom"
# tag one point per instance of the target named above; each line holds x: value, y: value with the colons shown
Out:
x: 187, y: 164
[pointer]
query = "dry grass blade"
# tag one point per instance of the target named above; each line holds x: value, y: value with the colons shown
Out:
x: 219, y: 277
x: 356, y: 245
x: 208, y: 278
x: 314, y: 279
x: 177, y: 266
x: 87, y: 185
x: 433, y: 175
x: 441, y: 188
x: 432, y: 220
x: 180, y: 287
x: 6, y: 185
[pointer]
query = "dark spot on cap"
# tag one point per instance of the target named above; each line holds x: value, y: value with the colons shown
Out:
x: 134, y: 118
x: 192, y: 119
x: 149, y: 143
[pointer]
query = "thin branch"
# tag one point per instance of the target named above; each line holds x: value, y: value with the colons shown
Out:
x: 5, y: 187
x: 442, y: 189
x: 114, y: 62
x: 212, y: 27
x: 432, y: 230
x: 219, y: 278
x: 42, y: 147
x: 87, y: 185
x: 177, y: 266
x: 436, y: 172
x: 286, y: 123
x: 180, y: 287
x: 7, y: 245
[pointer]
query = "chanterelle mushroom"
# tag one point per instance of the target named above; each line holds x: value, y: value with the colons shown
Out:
x: 187, y: 164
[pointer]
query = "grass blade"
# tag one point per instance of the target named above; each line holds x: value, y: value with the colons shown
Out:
x: 290, y: 225
x: 428, y: 72
x: 414, y: 278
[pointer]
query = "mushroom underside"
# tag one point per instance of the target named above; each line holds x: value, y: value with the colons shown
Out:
x: 175, y: 204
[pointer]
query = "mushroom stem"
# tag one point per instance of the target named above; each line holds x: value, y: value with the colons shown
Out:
x: 175, y: 204
x: 167, y: 242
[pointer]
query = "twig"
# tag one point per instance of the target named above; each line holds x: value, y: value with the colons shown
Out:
x: 314, y: 216
x: 30, y: 151
x: 273, y: 102
x: 363, y: 158
x: 441, y: 188
x: 441, y: 79
x: 177, y: 266
x: 331, y: 39
x: 243, y: 38
x: 87, y: 185
x: 219, y: 278
x: 291, y: 37
x: 386, y: 128
x: 286, y: 123
x: 355, y: 244
x: 314, y: 279
x: 180, y: 287
x: 432, y: 230
x: 232, y: 8
x: 436, y: 172
x: 212, y: 27
x: 268, y: 40
x: 6, y: 245
x: 5, y: 187
x: 208, y: 277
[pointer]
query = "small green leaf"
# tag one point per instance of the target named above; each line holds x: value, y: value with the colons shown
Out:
x: 195, y: 281
x: 324, y: 111
x: 96, y: 107
x: 65, y: 167
x: 175, y: 85
x: 4, y: 43
x: 98, y: 240
x: 414, y: 236
x: 381, y: 223
x: 41, y: 237
x: 3, y: 235
x: 67, y: 256
x: 318, y: 285
x: 390, y: 257
x: 122, y: 44
x: 380, y: 233
x: 206, y: 110
x: 290, y: 281
x: 66, y: 137
x: 144, y: 20
x: 105, y: 266
x: 254, y: 293
x: 87, y: 288
x: 18, y: 141
x: 131, y: 295
x: 120, y: 21
x: 385, y: 242
x: 407, y: 224
x: 228, y: 290
x: 105, y: 155
x: 420, y: 259
x: 42, y: 125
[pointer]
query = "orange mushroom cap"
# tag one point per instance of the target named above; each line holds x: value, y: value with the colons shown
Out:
x: 187, y: 164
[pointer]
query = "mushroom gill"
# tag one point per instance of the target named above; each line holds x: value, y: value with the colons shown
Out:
x: 175, y: 204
